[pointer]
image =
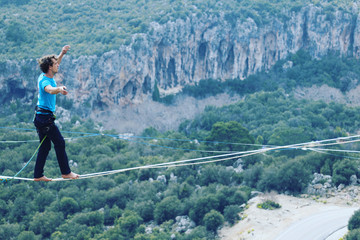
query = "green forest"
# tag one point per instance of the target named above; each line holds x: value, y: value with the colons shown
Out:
x: 32, y: 28
x: 124, y: 205
x: 144, y: 204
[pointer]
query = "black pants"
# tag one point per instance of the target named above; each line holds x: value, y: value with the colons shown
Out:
x: 45, y: 126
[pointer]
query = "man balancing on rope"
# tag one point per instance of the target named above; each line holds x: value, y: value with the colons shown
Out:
x: 44, y: 118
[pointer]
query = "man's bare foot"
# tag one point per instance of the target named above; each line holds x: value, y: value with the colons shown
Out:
x: 42, y: 179
x: 70, y: 176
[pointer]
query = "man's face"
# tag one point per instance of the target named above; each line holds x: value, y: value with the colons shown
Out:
x: 55, y: 67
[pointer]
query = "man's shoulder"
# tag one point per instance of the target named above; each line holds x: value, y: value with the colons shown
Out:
x: 43, y: 78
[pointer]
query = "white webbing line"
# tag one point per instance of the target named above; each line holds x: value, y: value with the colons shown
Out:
x: 185, y: 162
x: 334, y: 150
x: 159, y: 165
x: 176, y: 163
x: 303, y: 146
x: 336, y: 143
x: 25, y: 141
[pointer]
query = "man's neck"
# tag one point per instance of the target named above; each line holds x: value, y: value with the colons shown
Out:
x: 49, y: 74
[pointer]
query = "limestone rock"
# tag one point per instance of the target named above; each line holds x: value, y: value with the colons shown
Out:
x: 184, y: 52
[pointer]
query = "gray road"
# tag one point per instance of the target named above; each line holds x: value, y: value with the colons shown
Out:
x: 318, y: 227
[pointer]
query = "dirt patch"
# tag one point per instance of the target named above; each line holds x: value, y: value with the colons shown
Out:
x: 135, y: 118
x: 329, y: 94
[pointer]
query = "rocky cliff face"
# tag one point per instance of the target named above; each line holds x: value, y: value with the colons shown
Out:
x: 183, y: 52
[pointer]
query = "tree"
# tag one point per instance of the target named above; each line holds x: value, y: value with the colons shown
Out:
x: 253, y: 175
x: 156, y: 93
x: 239, y: 197
x: 185, y: 190
x: 293, y: 177
x: 342, y: 171
x: 230, y: 196
x: 203, y: 205
x: 20, y: 209
x: 16, y: 33
x: 9, y: 231
x: 111, y: 214
x: 89, y: 219
x: 46, y: 222
x: 269, y: 180
x: 223, y: 135
x: 354, y: 222
x: 68, y: 205
x: 72, y: 230
x: 353, y: 235
x: 15, y: 2
x: 231, y: 213
x: 287, y: 135
x: 167, y: 209
x: 3, y: 208
x: 150, y: 132
x: 213, y: 220
x: 300, y: 57
x: 198, y: 233
x: 129, y: 222
x: 209, y: 174
x: 26, y: 235
x: 43, y: 199
x: 145, y: 209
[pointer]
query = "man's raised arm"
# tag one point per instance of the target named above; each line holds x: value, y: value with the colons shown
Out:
x: 63, y: 52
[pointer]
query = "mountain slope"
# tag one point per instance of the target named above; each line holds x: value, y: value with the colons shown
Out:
x: 183, y: 52
x: 94, y: 27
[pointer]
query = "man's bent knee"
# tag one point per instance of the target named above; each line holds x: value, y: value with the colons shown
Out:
x: 60, y: 144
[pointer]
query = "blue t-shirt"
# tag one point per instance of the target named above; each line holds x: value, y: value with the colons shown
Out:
x: 46, y: 100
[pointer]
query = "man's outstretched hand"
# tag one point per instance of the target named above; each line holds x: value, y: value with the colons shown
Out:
x: 65, y: 49
x: 63, y: 90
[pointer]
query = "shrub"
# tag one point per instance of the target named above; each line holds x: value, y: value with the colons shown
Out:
x: 268, y: 204
x: 231, y: 213
x: 230, y: 132
x: 293, y: 176
x: 354, y: 222
x: 167, y: 209
x: 16, y: 33
x: 342, y: 171
x: 213, y: 220
x: 204, y: 88
x: 353, y: 235
x: 145, y: 210
x: 202, y: 206
x: 253, y: 175
x: 68, y: 205
x: 9, y: 231
x: 45, y: 223
x: 27, y: 235
x: 199, y: 233
x: 89, y: 219
x: 129, y: 222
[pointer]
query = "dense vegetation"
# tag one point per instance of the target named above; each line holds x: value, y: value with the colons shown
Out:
x: 125, y: 205
x: 119, y: 206
x: 122, y: 206
x: 94, y: 27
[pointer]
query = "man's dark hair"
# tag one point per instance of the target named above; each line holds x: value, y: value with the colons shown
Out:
x: 45, y: 62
